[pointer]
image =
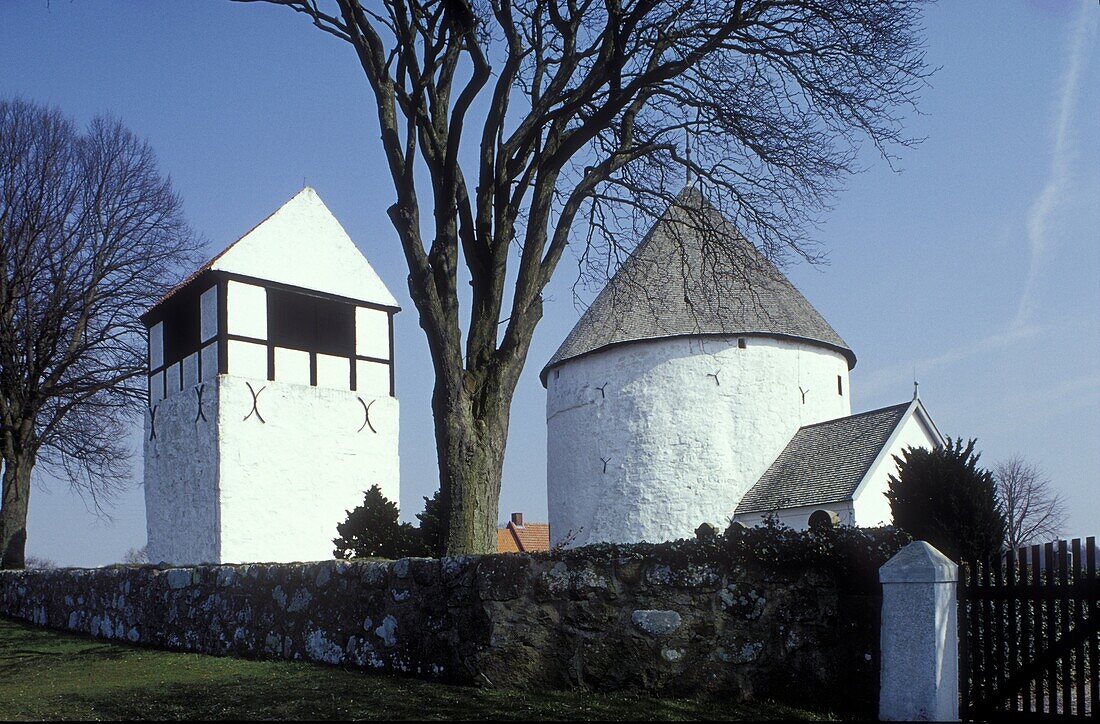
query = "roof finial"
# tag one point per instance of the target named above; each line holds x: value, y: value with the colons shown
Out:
x: 687, y: 158
x: 687, y: 149
x: 916, y: 385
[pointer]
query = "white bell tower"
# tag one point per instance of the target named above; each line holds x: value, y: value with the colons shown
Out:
x: 271, y: 395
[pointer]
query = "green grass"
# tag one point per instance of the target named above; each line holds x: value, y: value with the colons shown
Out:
x: 49, y: 675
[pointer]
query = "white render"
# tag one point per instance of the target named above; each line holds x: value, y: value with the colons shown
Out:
x: 208, y: 314
x: 919, y: 643
x: 246, y: 310
x: 230, y: 490
x: 916, y: 429
x: 302, y: 244
x: 868, y: 506
x: 681, y: 445
x: 799, y: 518
x: 255, y: 451
x: 156, y: 345
x: 372, y: 333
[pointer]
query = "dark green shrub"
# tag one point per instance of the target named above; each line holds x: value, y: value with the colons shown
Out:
x: 373, y: 530
x: 943, y: 497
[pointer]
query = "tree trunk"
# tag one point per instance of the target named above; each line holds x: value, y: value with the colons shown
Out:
x: 13, y: 511
x: 470, y: 442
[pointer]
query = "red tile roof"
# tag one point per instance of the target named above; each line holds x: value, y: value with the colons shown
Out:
x: 528, y: 538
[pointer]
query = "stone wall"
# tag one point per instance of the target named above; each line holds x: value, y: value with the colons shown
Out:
x: 615, y: 621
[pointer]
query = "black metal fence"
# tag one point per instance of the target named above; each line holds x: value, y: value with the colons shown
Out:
x: 1029, y: 639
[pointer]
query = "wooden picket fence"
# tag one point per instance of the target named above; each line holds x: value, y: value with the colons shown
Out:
x: 1029, y: 639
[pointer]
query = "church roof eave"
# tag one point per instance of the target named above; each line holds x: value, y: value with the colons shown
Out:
x: 694, y: 274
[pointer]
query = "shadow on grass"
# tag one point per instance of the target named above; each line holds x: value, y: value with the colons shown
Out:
x: 50, y: 675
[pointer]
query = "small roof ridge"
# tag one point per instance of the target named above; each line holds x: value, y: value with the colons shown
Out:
x: 816, y: 470
x: 877, y: 410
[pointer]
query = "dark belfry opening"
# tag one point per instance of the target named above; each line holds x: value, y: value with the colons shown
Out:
x: 181, y: 328
x: 313, y: 324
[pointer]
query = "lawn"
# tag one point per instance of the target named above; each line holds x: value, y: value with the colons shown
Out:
x: 50, y: 675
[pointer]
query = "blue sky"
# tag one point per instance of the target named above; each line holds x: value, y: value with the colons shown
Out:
x: 977, y: 265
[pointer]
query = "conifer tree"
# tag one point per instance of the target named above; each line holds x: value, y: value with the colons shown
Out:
x: 943, y: 497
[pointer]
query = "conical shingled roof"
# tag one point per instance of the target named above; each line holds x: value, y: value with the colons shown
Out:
x: 695, y: 274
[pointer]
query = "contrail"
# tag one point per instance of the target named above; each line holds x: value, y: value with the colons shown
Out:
x: 1081, y: 36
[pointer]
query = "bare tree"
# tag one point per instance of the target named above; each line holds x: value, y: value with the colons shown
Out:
x: 136, y: 556
x: 90, y: 236
x: 1034, y: 510
x: 576, y: 115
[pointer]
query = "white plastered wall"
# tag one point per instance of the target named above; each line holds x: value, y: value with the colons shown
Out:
x: 285, y: 483
x: 181, y: 479
x: 246, y: 310
x: 681, y: 446
x: 302, y: 244
x: 222, y: 488
x: 869, y: 501
x: 799, y: 518
x: 372, y: 333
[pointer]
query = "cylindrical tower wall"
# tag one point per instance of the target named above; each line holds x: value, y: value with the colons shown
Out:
x: 647, y: 440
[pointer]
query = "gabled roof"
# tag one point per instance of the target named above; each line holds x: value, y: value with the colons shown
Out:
x: 825, y: 462
x: 695, y: 274
x: 302, y: 245
x: 527, y: 538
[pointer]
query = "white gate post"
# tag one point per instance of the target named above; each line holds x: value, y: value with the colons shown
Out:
x: 919, y: 679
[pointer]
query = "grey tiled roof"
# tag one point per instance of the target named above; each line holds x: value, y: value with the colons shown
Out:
x: 823, y: 463
x: 694, y: 273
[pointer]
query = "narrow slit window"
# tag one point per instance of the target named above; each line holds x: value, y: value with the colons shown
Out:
x: 839, y: 385
x: 741, y: 344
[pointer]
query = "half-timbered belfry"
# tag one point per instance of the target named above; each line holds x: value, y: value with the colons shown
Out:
x: 271, y: 395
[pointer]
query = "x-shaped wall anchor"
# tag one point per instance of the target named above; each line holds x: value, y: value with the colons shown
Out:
x: 803, y: 394
x: 715, y: 376
x: 255, y: 402
x: 366, y: 416
x: 153, y: 422
x: 198, y: 396
x: 605, y: 461
x: 601, y: 389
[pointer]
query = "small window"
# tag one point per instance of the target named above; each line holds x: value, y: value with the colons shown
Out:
x: 741, y: 344
x: 839, y: 385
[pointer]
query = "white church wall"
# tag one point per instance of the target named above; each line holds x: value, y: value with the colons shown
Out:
x: 209, y: 361
x: 683, y: 426
x: 156, y: 346
x: 246, y: 310
x: 181, y: 501
x: 372, y: 333
x: 870, y: 503
x: 156, y: 387
x: 292, y: 366
x: 247, y: 359
x: 208, y: 314
x: 190, y: 369
x: 799, y: 518
x: 173, y: 380
x: 372, y: 378
x: 333, y: 372
x: 286, y: 482
x: 302, y: 244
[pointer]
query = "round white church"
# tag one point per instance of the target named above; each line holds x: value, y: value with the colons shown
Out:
x: 701, y: 386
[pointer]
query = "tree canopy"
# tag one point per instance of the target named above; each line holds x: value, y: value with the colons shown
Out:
x: 515, y: 129
x: 91, y: 234
x: 944, y: 497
